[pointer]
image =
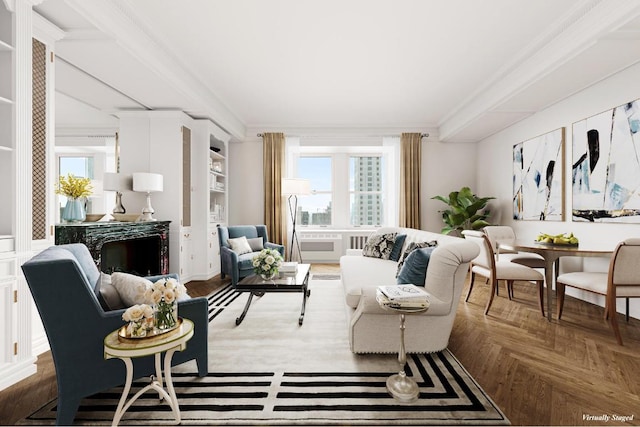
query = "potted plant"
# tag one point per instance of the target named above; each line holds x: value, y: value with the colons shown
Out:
x: 74, y: 188
x: 466, y: 211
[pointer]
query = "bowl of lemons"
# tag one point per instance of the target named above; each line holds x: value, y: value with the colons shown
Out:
x: 562, y: 239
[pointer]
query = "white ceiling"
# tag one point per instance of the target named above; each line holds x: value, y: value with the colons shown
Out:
x: 460, y: 69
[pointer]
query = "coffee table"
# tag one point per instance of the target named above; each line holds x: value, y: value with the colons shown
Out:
x: 283, y: 282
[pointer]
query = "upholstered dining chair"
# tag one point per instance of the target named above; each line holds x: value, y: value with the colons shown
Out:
x: 621, y: 281
x: 485, y: 265
x: 504, y: 234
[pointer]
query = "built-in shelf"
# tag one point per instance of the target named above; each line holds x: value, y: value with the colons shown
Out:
x: 216, y: 173
x: 4, y: 148
x: 216, y: 155
x: 4, y: 100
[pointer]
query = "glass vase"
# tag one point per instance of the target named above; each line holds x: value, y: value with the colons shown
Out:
x: 74, y: 211
x: 268, y: 276
x: 166, y: 315
x: 137, y: 328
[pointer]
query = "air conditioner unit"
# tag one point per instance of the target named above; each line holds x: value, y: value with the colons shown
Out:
x: 319, y: 246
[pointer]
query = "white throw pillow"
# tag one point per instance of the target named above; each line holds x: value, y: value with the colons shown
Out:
x: 256, y: 244
x: 240, y: 245
x: 131, y: 288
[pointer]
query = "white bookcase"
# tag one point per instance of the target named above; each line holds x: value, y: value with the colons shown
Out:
x: 211, y: 183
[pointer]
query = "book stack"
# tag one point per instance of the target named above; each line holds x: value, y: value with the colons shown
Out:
x: 405, y: 297
x: 288, y: 267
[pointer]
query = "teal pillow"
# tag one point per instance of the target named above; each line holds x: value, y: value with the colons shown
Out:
x: 397, y: 247
x: 414, y: 269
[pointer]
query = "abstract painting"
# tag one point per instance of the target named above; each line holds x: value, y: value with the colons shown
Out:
x: 606, y: 166
x: 538, y: 178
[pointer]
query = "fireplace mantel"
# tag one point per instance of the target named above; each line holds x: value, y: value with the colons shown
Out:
x: 126, y: 234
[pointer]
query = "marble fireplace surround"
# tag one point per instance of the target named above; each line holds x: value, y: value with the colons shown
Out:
x: 140, y: 248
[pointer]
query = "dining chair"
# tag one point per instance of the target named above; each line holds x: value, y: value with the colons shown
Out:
x: 621, y: 281
x: 504, y: 234
x: 486, y: 265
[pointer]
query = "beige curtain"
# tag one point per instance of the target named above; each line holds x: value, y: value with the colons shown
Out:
x: 410, y: 159
x: 273, y: 166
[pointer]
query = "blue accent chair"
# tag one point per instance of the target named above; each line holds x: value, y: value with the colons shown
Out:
x: 63, y: 281
x: 239, y: 266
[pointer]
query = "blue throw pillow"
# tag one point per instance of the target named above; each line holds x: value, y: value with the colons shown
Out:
x: 414, y: 269
x: 397, y: 247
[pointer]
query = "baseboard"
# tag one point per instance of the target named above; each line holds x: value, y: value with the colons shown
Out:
x: 12, y: 373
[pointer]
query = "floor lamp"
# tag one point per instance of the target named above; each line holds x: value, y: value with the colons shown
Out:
x: 294, y: 187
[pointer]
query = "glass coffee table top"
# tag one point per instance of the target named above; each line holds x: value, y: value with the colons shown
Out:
x: 284, y: 282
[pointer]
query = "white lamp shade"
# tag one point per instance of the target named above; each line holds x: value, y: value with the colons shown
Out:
x: 147, y: 182
x: 116, y: 182
x: 296, y: 187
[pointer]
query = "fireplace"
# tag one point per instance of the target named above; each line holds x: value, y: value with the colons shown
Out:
x: 140, y: 248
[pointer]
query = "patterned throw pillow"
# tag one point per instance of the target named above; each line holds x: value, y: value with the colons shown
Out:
x: 411, y: 247
x: 379, y: 245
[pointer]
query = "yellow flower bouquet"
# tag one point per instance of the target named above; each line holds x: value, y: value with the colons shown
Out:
x: 73, y: 186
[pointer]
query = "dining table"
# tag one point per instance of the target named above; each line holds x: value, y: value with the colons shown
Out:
x: 551, y: 253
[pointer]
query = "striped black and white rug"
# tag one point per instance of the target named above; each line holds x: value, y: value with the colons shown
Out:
x: 271, y: 371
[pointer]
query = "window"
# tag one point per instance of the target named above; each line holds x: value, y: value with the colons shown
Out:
x: 351, y: 185
x: 316, y: 208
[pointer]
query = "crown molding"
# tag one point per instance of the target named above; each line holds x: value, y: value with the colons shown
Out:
x: 45, y: 31
x: 118, y: 21
x: 576, y: 31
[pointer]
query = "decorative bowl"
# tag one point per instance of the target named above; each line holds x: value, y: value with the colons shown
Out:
x: 93, y: 217
x: 125, y: 217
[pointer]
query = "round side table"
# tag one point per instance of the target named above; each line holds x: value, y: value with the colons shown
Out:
x: 170, y: 342
x: 400, y: 386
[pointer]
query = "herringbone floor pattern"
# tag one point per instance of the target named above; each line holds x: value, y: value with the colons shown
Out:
x: 537, y: 372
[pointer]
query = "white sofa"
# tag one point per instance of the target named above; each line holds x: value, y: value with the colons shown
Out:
x: 373, y: 329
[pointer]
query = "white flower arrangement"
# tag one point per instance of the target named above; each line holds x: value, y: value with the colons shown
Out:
x: 163, y: 294
x: 267, y: 262
x: 140, y: 318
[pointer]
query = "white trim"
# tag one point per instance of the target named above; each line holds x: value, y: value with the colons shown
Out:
x: 45, y: 31
x: 11, y: 373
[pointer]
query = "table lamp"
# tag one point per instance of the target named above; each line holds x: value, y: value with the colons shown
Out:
x: 117, y: 182
x: 144, y: 182
x: 294, y: 187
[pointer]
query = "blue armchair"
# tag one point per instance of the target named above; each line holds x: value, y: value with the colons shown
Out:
x: 239, y: 266
x: 63, y: 281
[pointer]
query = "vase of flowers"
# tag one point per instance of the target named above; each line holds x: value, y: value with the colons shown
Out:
x: 75, y: 189
x: 267, y: 263
x: 164, y: 295
x: 140, y: 318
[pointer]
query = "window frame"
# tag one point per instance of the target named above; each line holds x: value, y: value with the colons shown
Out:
x: 340, y: 201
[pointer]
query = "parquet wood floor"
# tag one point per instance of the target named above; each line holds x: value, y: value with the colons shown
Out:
x: 537, y: 372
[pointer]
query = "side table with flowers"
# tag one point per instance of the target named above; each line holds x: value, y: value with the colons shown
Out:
x: 267, y: 263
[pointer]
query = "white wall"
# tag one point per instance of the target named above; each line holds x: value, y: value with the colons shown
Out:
x: 494, y: 175
x: 246, y: 194
x: 446, y: 167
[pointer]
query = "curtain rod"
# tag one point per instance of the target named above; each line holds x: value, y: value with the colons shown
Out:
x: 422, y: 135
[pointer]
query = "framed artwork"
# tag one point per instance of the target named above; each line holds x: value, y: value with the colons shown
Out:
x: 538, y: 178
x: 606, y: 166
